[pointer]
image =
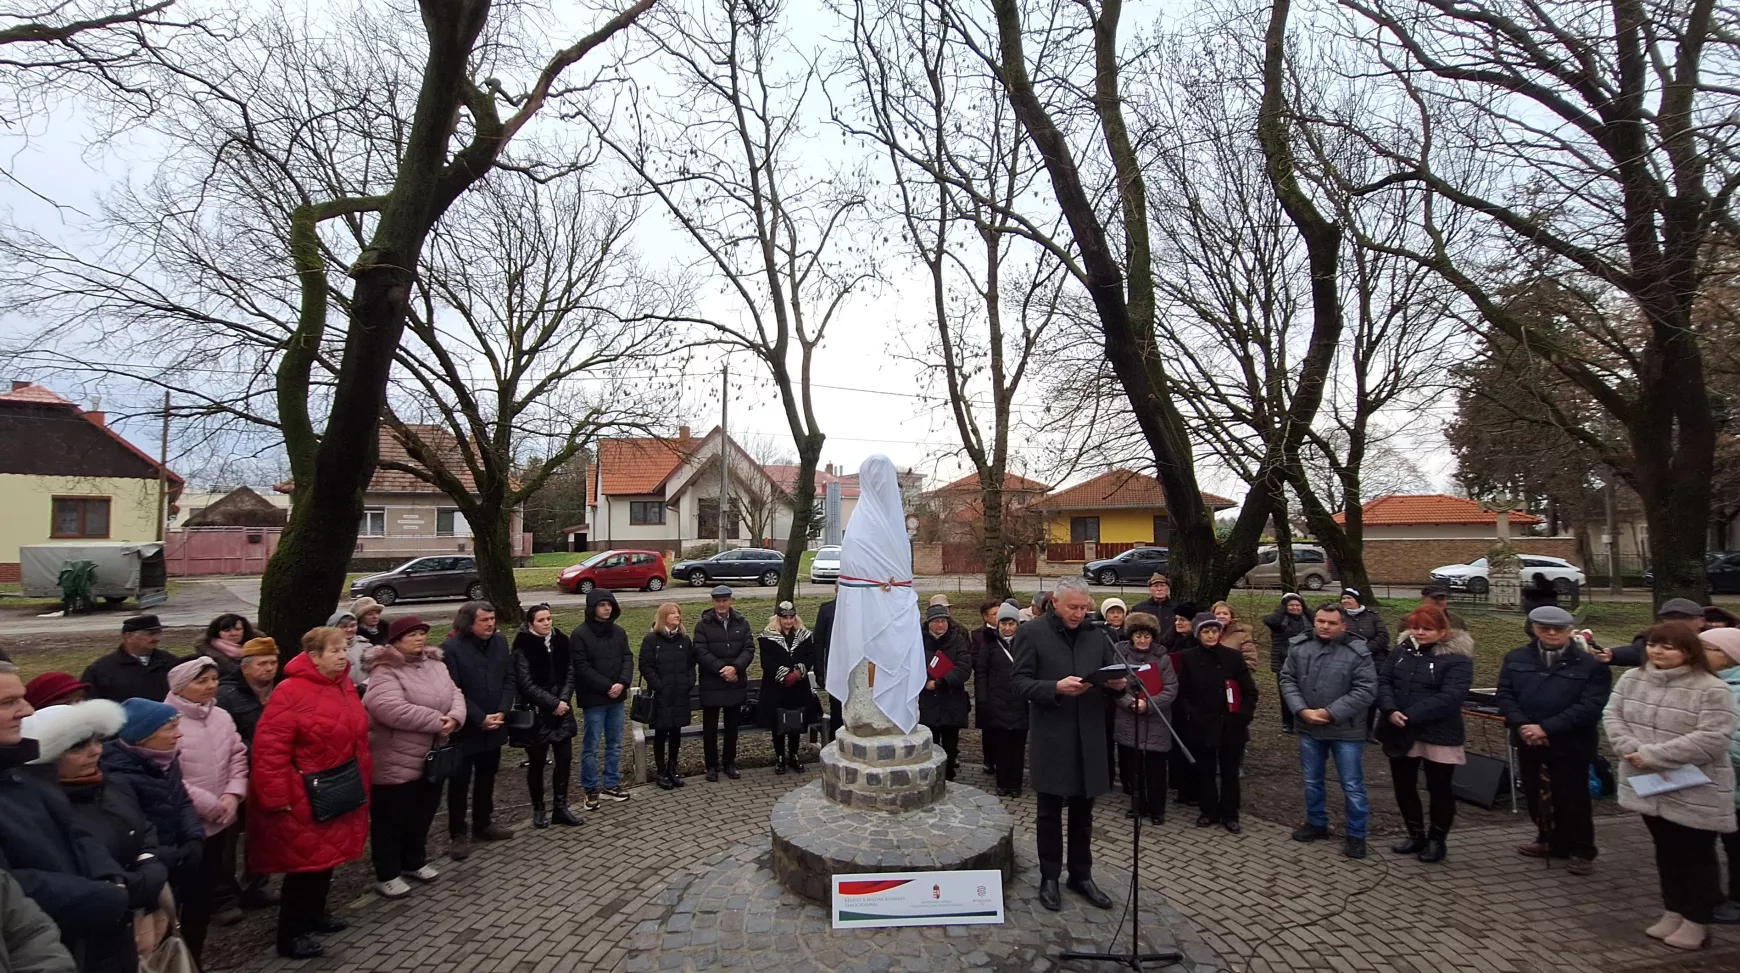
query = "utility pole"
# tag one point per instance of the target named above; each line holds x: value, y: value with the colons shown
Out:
x: 1614, y: 583
x: 724, y: 448
x: 163, y: 475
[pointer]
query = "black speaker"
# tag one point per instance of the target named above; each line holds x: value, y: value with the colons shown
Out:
x: 1482, y: 780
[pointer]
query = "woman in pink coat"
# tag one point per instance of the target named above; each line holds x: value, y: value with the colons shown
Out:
x: 413, y: 705
x: 214, y: 772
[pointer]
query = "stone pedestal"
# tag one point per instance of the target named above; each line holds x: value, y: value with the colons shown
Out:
x: 888, y: 773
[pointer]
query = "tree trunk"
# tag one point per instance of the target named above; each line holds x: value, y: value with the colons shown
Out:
x: 803, y: 508
x: 492, y: 543
x: 1284, y: 544
x: 996, y: 552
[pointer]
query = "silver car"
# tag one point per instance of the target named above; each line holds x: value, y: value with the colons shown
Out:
x: 1311, y: 566
x: 825, y: 567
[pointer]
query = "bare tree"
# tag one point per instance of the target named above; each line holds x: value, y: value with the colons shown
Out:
x: 1596, y: 142
x: 729, y: 157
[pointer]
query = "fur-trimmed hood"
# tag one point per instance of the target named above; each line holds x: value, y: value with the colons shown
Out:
x: 57, y: 729
x: 1458, y: 642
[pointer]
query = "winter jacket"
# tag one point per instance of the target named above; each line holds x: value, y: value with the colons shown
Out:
x: 797, y: 653
x: 720, y: 643
x: 544, y: 677
x: 1066, y: 734
x: 1166, y: 611
x: 29, y: 939
x: 1673, y: 717
x: 1731, y: 676
x: 1145, y: 731
x: 238, y: 699
x: 1564, y: 699
x: 1368, y: 626
x: 667, y: 666
x: 1283, y: 629
x: 61, y: 865
x: 482, y: 671
x: 312, y: 724
x: 948, y: 704
x: 601, y: 659
x: 120, y: 677
x: 358, y: 654
x: 112, y: 815
x: 163, y: 798
x: 214, y: 760
x: 999, y: 706
x: 823, y: 637
x: 1204, y: 673
x: 408, y: 695
x: 1238, y: 638
x: 1427, y: 684
x: 1339, y: 676
x: 225, y: 664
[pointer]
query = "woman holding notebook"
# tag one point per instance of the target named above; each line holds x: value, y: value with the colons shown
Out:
x: 1670, y: 721
x: 944, y: 705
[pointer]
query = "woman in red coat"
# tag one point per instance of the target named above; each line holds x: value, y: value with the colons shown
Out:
x: 314, y: 722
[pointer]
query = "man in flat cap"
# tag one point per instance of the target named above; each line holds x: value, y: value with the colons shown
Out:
x: 1673, y: 610
x: 136, y: 668
x: 724, y: 646
x: 1551, y: 693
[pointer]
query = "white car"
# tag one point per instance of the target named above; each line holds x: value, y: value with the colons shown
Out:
x: 825, y: 568
x: 1473, y: 577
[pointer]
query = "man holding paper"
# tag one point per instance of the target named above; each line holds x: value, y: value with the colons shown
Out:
x: 1056, y: 655
x: 943, y: 706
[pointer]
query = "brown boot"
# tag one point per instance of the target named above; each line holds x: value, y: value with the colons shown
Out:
x: 1580, y: 866
x: 1537, y: 849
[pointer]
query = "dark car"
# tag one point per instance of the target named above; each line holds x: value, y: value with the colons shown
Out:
x: 438, y: 576
x: 744, y: 564
x: 1721, y: 568
x: 1137, y: 564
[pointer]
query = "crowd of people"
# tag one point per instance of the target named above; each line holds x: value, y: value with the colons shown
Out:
x: 152, y: 797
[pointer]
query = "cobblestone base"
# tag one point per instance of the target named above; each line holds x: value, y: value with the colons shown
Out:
x: 815, y: 838
x: 884, y: 773
x: 734, y: 916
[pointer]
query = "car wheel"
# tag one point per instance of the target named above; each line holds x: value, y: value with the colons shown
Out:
x: 1479, y: 586
x: 655, y: 584
x: 385, y: 594
x: 474, y: 591
x: 114, y: 599
x: 769, y: 578
x: 697, y: 579
x: 1107, y: 576
x: 1565, y: 586
x: 1314, y: 582
x: 587, y: 586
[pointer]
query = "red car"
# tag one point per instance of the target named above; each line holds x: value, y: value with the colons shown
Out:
x: 616, y: 570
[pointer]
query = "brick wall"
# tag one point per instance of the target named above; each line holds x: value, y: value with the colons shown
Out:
x: 1412, y: 561
x: 10, y: 571
x: 927, y: 559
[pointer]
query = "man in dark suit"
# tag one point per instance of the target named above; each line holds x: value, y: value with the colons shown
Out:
x: 821, y: 636
x: 138, y: 668
x: 1054, y: 656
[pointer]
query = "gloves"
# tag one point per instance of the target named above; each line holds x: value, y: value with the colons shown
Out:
x: 781, y: 673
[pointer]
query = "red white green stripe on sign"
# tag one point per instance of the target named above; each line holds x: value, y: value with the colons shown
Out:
x: 917, y: 919
x: 870, y: 888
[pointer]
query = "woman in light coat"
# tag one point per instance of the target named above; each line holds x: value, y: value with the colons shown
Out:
x: 214, y: 772
x: 1674, y: 715
x: 412, y: 705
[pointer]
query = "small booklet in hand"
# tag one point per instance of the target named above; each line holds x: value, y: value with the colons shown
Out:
x: 1668, y: 781
x: 940, y: 666
x: 1100, y: 677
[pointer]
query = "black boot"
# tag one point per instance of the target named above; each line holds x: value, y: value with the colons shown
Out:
x: 559, y: 811
x: 1434, y: 850
x: 1411, y: 845
x: 540, y: 818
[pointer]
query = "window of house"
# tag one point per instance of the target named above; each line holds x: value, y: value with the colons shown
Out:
x: 646, y: 512
x: 707, y: 518
x: 81, y: 517
x: 1084, y: 529
x: 449, y: 522
x: 374, y: 522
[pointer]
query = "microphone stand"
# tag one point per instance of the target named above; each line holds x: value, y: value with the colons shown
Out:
x: 1135, y: 959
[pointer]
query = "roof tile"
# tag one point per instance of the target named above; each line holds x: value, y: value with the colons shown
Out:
x: 1116, y: 490
x: 1419, y: 509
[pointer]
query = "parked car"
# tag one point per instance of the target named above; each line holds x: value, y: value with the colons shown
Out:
x: 1473, y: 576
x: 1721, y: 569
x: 743, y: 564
x: 1311, y: 568
x: 825, y: 567
x: 615, y: 570
x: 1137, y: 564
x: 440, y: 576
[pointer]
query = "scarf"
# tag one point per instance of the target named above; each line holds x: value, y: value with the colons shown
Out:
x: 229, y: 649
x: 159, y: 758
x: 1354, y: 611
x: 94, y: 778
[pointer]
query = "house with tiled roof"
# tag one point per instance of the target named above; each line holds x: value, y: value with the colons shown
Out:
x: 959, y: 508
x: 662, y: 493
x: 65, y: 474
x: 1433, y: 516
x: 1116, y: 507
x: 403, y: 516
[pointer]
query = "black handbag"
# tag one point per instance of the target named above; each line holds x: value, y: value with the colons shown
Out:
x: 789, y: 720
x: 520, y: 719
x: 644, y: 707
x: 336, y: 791
x: 443, y: 763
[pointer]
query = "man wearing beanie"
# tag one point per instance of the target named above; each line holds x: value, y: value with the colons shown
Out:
x: 137, y: 668
x: 244, y: 692
x: 1673, y: 610
x: 943, y: 705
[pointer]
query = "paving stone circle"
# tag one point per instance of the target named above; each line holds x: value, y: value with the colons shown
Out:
x: 814, y: 838
x: 731, y: 915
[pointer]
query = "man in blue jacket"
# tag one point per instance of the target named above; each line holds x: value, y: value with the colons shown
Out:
x: 1551, y: 693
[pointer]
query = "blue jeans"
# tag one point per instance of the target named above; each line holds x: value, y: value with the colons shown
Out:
x: 1349, y: 766
x: 608, y: 721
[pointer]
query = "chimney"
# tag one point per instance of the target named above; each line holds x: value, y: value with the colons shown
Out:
x: 830, y: 469
x: 683, y: 434
x: 97, y: 418
x: 17, y: 384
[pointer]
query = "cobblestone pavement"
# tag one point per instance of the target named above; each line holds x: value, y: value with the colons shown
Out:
x: 572, y: 899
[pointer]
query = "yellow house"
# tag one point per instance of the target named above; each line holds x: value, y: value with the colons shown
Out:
x: 1117, y: 507
x: 65, y: 475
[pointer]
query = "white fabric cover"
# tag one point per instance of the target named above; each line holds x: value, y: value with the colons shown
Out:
x: 872, y: 622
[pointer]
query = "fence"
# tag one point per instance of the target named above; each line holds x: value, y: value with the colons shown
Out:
x: 1630, y: 567
x: 189, y: 551
x: 1066, y: 552
x: 1113, y: 550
